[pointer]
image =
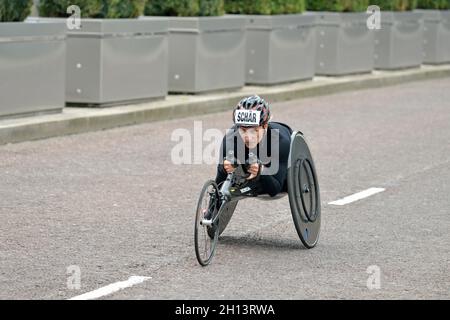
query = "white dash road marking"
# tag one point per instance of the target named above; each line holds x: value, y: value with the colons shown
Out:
x: 357, y: 196
x: 109, y: 289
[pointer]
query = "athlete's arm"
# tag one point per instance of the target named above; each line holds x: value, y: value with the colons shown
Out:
x: 273, y: 184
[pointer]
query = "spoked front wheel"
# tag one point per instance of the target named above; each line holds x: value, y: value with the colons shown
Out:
x: 205, y: 245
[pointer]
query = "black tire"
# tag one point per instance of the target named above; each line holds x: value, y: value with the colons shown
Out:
x: 304, y: 192
x: 205, y: 253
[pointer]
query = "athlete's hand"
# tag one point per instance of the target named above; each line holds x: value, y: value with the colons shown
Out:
x: 228, y: 166
x: 253, y: 170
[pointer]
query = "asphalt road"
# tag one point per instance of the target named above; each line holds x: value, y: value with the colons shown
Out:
x: 114, y: 205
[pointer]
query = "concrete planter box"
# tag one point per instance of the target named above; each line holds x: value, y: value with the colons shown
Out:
x: 206, y: 53
x: 280, y: 48
x: 344, y: 43
x: 436, y: 33
x: 399, y: 42
x: 32, y: 68
x: 116, y: 61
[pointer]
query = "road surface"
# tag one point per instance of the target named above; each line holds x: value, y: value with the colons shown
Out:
x: 102, y: 207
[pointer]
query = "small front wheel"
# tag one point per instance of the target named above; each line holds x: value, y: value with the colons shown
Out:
x: 205, y: 245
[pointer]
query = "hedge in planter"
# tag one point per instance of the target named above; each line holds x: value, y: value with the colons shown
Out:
x: 58, y: 8
x: 110, y: 9
x: 338, y: 5
x: 184, y: 8
x: 433, y: 4
x: 436, y: 30
x: 280, y: 40
x: 344, y: 43
x: 119, y: 9
x: 399, y: 42
x: 15, y: 11
x: 264, y: 7
x: 32, y: 62
x: 397, y: 5
x: 113, y: 58
x: 206, y: 49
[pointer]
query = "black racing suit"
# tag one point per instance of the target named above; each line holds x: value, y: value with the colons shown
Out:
x: 273, y: 152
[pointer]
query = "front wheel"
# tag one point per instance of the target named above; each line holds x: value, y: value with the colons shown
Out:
x: 205, y: 245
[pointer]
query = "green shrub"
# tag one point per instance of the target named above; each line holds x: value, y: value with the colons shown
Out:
x: 264, y: 6
x: 184, y: 8
x: 248, y: 6
x: 58, y: 8
x: 290, y: 6
x: 433, y: 4
x: 117, y: 9
x: 112, y: 9
x: 14, y: 11
x: 212, y: 8
x: 339, y: 5
x: 171, y: 8
x: 396, y: 5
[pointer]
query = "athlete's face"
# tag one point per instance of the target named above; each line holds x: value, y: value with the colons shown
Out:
x: 253, y: 135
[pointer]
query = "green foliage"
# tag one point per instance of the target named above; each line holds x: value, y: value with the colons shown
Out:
x: 14, y: 11
x: 171, y: 8
x: 339, y: 5
x: 433, y: 4
x: 248, y: 6
x: 58, y: 8
x: 184, y: 8
x: 397, y: 5
x: 211, y: 7
x: 264, y: 6
x: 124, y: 8
x: 291, y: 6
x: 113, y: 9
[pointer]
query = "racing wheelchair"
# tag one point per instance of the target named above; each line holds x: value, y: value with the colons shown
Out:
x: 216, y: 204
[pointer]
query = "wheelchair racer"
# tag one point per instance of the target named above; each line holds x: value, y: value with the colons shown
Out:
x: 254, y: 136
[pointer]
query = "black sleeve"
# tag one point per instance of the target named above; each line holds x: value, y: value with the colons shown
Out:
x: 221, y: 173
x: 273, y: 184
